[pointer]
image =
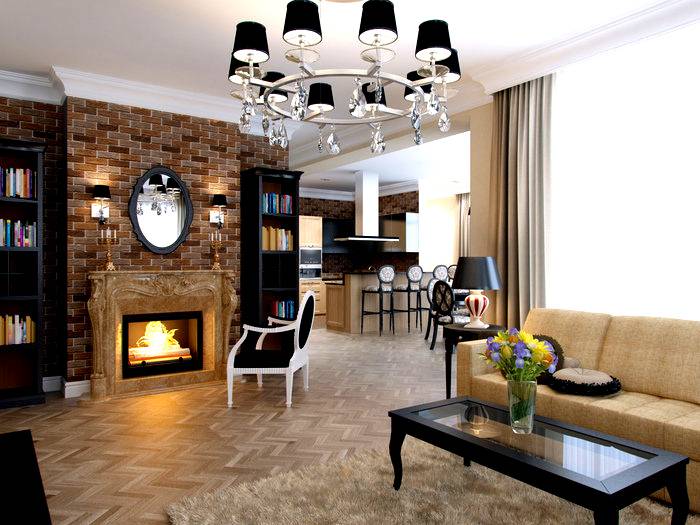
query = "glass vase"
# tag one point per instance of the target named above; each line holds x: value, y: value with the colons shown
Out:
x: 521, y: 403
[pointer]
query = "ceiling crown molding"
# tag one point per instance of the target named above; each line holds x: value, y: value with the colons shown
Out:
x: 398, y: 187
x: 29, y: 87
x: 654, y: 20
x: 331, y: 195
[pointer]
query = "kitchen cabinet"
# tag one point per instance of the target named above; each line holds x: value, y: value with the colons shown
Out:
x: 335, y: 314
x: 310, y: 231
x: 318, y: 287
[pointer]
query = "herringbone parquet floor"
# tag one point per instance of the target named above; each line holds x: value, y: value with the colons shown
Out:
x: 124, y: 460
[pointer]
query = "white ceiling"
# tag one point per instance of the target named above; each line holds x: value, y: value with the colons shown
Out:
x: 439, y: 165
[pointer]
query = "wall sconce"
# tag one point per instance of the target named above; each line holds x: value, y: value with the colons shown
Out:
x: 216, y: 216
x: 98, y: 210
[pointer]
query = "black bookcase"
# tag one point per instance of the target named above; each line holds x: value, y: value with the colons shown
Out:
x: 268, y: 275
x: 21, y: 279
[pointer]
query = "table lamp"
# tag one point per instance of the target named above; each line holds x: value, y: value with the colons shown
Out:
x: 476, y: 274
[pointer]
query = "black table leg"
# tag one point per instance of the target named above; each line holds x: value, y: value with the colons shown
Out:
x: 449, y: 349
x: 395, y: 442
x: 678, y: 490
x: 606, y: 516
x: 467, y: 462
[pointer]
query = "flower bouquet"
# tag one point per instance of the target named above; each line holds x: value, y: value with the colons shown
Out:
x: 521, y: 358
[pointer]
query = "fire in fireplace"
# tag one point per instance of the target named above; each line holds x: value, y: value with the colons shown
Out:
x: 162, y: 343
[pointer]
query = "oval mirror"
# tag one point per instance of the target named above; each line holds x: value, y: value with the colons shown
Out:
x: 160, y: 210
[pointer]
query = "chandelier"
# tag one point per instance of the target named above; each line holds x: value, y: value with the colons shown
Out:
x: 304, y: 97
x: 158, y: 195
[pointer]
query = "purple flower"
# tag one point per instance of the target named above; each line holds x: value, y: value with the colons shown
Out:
x: 489, y: 340
x: 521, y: 350
x: 519, y: 363
x: 494, y: 347
x: 555, y: 359
x: 552, y: 368
x: 513, y: 331
x: 495, y: 357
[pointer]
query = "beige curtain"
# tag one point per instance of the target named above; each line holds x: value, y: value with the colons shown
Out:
x: 520, y: 155
x: 464, y: 216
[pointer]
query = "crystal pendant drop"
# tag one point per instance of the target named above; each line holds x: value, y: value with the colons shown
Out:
x: 415, y: 115
x: 320, y: 146
x: 358, y: 104
x: 378, y: 93
x: 244, y: 123
x: 433, y: 102
x: 444, y: 122
x: 273, y: 134
x: 248, y: 101
x: 377, y: 144
x: 298, y: 104
x: 266, y: 125
x: 418, y: 137
x: 333, y: 143
x: 283, y: 140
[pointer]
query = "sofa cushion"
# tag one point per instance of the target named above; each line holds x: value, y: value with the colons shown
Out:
x: 654, y: 356
x: 580, y: 334
x: 683, y: 435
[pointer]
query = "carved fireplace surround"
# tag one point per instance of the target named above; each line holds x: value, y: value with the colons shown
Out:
x: 118, y: 293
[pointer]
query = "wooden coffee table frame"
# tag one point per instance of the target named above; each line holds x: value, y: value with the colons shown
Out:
x: 605, y: 497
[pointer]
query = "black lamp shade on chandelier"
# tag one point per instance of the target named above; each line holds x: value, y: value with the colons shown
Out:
x: 219, y: 200
x: 321, y: 97
x: 476, y: 273
x: 172, y: 184
x: 378, y: 23
x: 237, y: 66
x: 277, y: 95
x: 408, y: 93
x: 451, y: 63
x: 433, y: 41
x: 101, y: 192
x: 370, y: 97
x: 155, y: 180
x: 250, y: 43
x: 302, y: 25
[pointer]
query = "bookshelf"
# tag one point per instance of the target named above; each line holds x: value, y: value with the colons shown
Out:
x: 21, y: 280
x: 269, y: 270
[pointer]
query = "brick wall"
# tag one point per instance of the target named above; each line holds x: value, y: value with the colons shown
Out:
x: 114, y: 144
x: 399, y: 203
x: 39, y: 122
x: 327, y: 208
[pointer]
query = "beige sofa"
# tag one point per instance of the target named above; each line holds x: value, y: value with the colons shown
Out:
x: 657, y: 361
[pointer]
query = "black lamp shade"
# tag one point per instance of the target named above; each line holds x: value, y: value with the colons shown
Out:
x: 219, y: 200
x: 378, y: 23
x: 320, y: 97
x: 408, y: 93
x: 172, y: 184
x: 155, y: 180
x: 250, y: 43
x: 369, y: 96
x: 302, y: 25
x: 236, y: 66
x: 451, y: 63
x: 476, y: 273
x: 277, y: 95
x: 433, y: 41
x: 101, y: 192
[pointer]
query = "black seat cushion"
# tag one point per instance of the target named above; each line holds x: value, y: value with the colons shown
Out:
x: 262, y: 359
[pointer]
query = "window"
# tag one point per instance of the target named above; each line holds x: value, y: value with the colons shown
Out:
x: 624, y: 225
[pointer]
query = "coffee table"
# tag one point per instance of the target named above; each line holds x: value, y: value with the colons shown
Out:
x: 600, y: 472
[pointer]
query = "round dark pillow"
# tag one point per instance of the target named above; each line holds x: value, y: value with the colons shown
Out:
x: 545, y: 378
x: 584, y: 382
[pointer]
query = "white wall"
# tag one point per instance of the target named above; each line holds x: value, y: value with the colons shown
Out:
x: 439, y: 229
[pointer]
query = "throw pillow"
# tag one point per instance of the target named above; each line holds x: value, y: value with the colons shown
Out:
x: 545, y: 378
x: 584, y: 382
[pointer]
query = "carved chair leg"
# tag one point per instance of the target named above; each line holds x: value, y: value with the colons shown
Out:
x: 305, y: 371
x: 259, y: 374
x: 289, y: 384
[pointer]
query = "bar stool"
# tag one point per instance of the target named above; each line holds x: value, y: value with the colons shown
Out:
x: 385, y: 275
x: 451, y: 270
x: 414, y: 275
x: 441, y: 273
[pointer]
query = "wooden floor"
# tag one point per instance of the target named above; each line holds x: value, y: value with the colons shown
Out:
x: 124, y: 460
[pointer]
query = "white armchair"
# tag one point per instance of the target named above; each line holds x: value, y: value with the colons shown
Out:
x: 285, y: 361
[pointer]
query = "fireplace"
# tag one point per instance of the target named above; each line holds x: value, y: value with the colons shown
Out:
x: 162, y: 343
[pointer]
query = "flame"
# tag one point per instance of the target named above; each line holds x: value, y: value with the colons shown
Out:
x: 156, y: 343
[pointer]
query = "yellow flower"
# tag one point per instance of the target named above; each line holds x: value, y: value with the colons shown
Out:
x: 501, y: 338
x: 506, y: 352
x: 538, y: 354
x: 527, y: 339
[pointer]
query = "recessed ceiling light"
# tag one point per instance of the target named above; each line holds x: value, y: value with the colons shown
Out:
x: 325, y: 180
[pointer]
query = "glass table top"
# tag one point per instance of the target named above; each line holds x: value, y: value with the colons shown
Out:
x: 576, y: 452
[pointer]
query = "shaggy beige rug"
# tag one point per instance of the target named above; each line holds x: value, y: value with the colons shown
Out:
x: 436, y: 488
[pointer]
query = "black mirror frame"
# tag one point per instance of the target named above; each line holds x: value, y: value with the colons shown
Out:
x: 133, y: 202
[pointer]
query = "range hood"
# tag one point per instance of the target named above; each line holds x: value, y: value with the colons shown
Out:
x: 366, y: 210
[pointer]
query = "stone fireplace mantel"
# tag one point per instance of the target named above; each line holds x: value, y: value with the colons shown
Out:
x: 118, y: 293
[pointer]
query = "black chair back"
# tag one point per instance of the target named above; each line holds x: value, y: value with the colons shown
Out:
x: 306, y: 319
x: 431, y: 286
x: 443, y: 299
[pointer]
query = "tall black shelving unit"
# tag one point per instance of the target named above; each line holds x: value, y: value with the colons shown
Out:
x: 21, y: 280
x: 267, y: 275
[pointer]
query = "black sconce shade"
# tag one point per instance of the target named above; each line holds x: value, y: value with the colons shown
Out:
x: 301, y: 24
x: 219, y: 200
x: 101, y: 192
x: 320, y: 97
x: 250, y: 43
x: 370, y: 96
x: 451, y: 63
x: 277, y: 95
x: 433, y: 41
x: 476, y: 273
x: 408, y: 93
x: 378, y: 23
x: 236, y: 67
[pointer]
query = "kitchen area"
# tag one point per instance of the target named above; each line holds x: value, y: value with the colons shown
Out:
x: 343, y: 243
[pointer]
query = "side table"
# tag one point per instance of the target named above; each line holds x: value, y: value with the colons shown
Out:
x: 456, y: 333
